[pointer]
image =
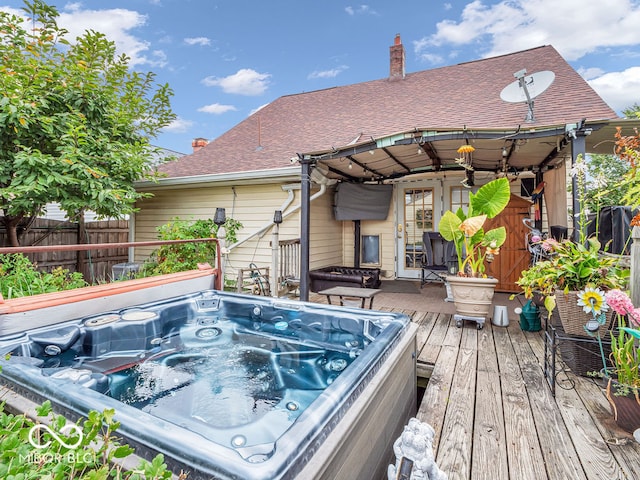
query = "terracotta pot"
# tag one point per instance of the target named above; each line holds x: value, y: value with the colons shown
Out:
x: 472, y: 296
x: 625, y: 405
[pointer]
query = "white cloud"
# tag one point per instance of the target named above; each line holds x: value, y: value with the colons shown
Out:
x: 244, y: 82
x: 574, y: 27
x: 117, y: 24
x: 258, y: 109
x: 12, y: 11
x: 179, y: 125
x: 217, y: 109
x: 360, y: 10
x: 431, y: 58
x: 332, y: 73
x: 590, y: 73
x: 197, y: 41
x: 619, y: 89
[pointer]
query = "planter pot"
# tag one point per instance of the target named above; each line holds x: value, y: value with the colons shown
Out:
x: 574, y: 318
x: 625, y: 405
x: 472, y: 297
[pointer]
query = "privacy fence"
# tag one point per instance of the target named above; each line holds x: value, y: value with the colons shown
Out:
x: 95, y: 265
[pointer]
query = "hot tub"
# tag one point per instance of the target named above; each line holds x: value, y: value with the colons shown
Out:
x: 224, y: 385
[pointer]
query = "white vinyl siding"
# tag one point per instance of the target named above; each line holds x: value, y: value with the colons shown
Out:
x: 254, y: 207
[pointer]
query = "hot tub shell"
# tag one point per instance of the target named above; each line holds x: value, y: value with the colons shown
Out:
x: 348, y: 434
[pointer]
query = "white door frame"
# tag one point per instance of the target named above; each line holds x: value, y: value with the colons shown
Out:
x: 436, y: 185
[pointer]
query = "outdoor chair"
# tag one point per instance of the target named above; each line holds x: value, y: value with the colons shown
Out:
x: 436, y: 255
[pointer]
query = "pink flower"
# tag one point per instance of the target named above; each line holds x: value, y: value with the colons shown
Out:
x: 620, y: 302
x: 549, y: 244
x: 634, y: 318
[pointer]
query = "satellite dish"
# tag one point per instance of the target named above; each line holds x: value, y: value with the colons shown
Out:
x: 527, y: 87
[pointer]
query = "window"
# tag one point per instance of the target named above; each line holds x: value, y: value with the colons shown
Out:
x: 459, y: 198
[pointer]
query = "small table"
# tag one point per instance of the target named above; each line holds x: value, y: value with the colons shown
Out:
x: 357, y: 292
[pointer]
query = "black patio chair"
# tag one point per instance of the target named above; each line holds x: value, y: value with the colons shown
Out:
x: 436, y: 256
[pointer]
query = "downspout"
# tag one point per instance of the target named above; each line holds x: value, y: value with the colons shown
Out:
x: 285, y: 214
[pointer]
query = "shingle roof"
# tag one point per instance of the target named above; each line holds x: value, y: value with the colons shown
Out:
x: 467, y: 94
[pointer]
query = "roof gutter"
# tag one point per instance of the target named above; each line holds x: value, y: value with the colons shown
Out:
x: 243, y: 178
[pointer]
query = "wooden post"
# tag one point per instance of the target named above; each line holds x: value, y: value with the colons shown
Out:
x: 634, y: 278
x: 81, y: 263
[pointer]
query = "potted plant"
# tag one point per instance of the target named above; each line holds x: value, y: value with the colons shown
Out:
x: 572, y: 267
x: 471, y: 288
x: 622, y: 373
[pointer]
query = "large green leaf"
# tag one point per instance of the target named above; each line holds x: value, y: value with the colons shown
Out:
x: 497, y: 237
x: 449, y: 226
x: 491, y: 198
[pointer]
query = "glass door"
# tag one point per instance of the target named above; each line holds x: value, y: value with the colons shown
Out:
x: 415, y: 216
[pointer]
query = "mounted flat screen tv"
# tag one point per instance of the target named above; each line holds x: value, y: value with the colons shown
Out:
x: 357, y: 201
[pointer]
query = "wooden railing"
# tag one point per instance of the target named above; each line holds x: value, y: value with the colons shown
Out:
x: 289, y: 268
x: 258, y: 280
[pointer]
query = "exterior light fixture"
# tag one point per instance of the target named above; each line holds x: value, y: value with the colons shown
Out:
x: 220, y: 217
x: 277, y: 217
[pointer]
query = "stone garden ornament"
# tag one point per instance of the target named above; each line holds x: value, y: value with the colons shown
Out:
x: 414, y: 454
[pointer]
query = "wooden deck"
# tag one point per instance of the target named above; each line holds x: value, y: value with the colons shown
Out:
x: 493, y: 411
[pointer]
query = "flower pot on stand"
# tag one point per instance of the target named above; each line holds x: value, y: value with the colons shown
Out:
x: 472, y: 297
x: 574, y: 318
x: 625, y: 404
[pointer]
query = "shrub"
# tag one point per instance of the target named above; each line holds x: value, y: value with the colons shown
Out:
x: 89, y: 451
x: 20, y: 278
x: 187, y: 256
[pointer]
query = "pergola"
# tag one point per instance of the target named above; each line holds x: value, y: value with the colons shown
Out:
x: 418, y: 151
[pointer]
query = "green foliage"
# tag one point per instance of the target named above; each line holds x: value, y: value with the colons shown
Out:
x: 603, y: 185
x: 20, y: 278
x: 628, y: 149
x: 180, y: 257
x: 572, y: 267
x: 91, y: 457
x: 75, y: 121
x: 625, y: 356
x: 473, y: 244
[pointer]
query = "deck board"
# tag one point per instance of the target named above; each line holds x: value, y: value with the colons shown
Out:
x: 492, y: 410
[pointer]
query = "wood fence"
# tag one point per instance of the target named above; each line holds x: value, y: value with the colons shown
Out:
x: 95, y: 265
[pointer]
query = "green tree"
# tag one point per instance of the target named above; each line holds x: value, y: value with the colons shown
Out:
x: 75, y: 121
x: 604, y: 174
x: 603, y: 178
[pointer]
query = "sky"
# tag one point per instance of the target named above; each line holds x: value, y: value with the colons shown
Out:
x: 225, y: 59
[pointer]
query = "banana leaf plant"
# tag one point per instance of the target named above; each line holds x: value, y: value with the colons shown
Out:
x: 473, y: 245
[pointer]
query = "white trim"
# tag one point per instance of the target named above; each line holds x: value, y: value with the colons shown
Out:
x: 241, y: 178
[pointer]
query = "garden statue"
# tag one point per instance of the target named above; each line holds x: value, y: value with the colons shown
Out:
x: 414, y: 454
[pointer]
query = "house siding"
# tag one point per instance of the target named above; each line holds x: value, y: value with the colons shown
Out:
x: 254, y: 207
x: 326, y: 244
x: 383, y: 228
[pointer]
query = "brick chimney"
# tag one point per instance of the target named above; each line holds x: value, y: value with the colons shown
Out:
x: 396, y: 52
x: 198, y: 143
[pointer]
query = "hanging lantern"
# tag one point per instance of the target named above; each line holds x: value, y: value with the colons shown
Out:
x: 465, y: 158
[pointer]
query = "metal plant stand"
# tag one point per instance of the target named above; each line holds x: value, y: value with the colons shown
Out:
x: 580, y: 354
